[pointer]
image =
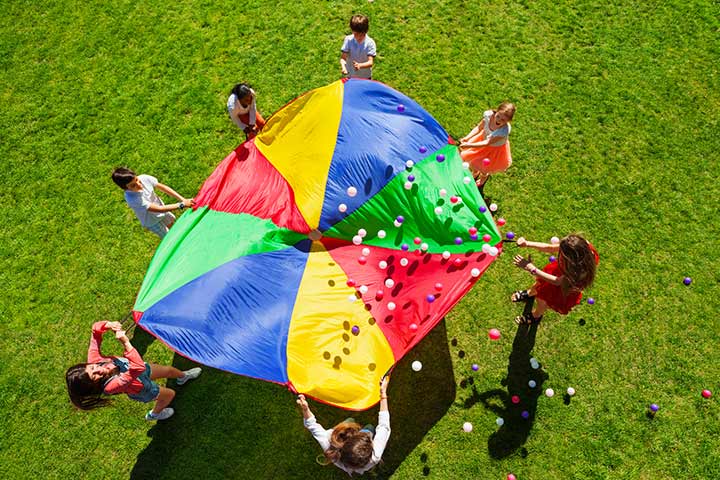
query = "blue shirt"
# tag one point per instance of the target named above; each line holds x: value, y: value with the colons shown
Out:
x: 358, y: 52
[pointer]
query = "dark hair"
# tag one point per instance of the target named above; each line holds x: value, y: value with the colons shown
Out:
x: 359, y: 23
x: 241, y: 90
x: 84, y: 392
x: 357, y: 451
x: 122, y: 176
x: 340, y: 434
x: 577, y: 260
x: 507, y: 107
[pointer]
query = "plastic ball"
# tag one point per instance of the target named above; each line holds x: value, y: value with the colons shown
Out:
x: 687, y: 280
x: 467, y: 180
x: 485, y: 248
x: 510, y: 476
x: 365, y: 251
x: 342, y: 208
x: 474, y: 236
x: 407, y: 185
x: 535, y: 365
x: 532, y: 384
x: 350, y: 283
x: 591, y: 301
x: 440, y: 158
x: 411, y: 178
x: 552, y: 258
x: 706, y: 393
x: 397, y: 224
x: 494, y: 334
x: 475, y: 367
x: 500, y: 421
x: 486, y: 237
x: 379, y: 295
x: 493, y: 207
x: 416, y: 366
x: 485, y: 162
x: 412, y: 327
x: 355, y: 330
x: 404, y: 262
x: 446, y: 254
x: 554, y: 240
x: 404, y: 247
x: 352, y: 298
x: 362, y: 232
x: 571, y: 391
x: 458, y: 241
x: 391, y: 306
x: 401, y: 108
x: 467, y: 427
x: 357, y: 240
x: 362, y: 260
x: 422, y: 149
x: 442, y: 192
x: 501, y: 221
x: 389, y: 282
x: 438, y: 286
x: 382, y: 264
x: 482, y: 209
x: 400, y: 219
x: 510, y: 235
x: 475, y: 272
x: 472, y: 230
x: 424, y: 247
x: 453, y: 199
x: 363, y: 289
x: 654, y: 408
x: 430, y: 298
x: 351, y: 191
x: 493, y: 251
x: 438, y: 210
x: 458, y: 262
x: 381, y: 234
x: 409, y: 164
x: 549, y: 392
x: 525, y: 414
x: 465, y: 165
x: 515, y: 399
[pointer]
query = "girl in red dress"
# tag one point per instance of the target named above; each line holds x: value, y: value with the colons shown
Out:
x: 559, y: 284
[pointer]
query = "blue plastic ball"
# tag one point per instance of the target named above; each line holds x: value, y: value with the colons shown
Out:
x: 687, y: 280
x: 510, y: 235
x: 482, y: 208
x: 401, y: 108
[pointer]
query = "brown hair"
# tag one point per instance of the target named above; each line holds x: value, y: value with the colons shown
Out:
x: 341, y: 434
x: 84, y: 392
x: 508, y: 108
x: 357, y: 451
x: 359, y: 23
x: 577, y: 260
x: 122, y: 176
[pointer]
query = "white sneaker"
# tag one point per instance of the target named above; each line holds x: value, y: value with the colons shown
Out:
x: 189, y: 375
x: 163, y: 415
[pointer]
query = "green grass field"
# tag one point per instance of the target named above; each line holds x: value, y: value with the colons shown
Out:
x: 616, y: 136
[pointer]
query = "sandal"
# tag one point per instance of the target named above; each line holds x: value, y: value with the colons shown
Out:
x: 527, y: 319
x: 520, y: 296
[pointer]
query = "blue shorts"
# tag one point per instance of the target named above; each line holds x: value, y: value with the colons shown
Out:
x: 150, y: 390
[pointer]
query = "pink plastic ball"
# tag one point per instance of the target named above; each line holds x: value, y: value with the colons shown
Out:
x: 486, y: 162
x: 472, y: 230
x: 413, y: 327
x: 453, y: 199
x: 438, y: 286
x: 379, y: 295
x: 511, y: 477
x: 486, y: 237
x: 706, y: 393
x: 417, y: 240
x: 515, y: 399
x: 494, y: 334
x: 362, y: 260
x: 458, y: 262
x: 501, y: 221
x: 350, y: 283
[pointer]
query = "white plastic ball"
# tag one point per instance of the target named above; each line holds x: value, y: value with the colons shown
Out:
x: 352, y: 298
x: 554, y: 240
x: 466, y: 165
x: 342, y: 208
x: 493, y: 207
x: 549, y: 392
x: 467, y: 180
x: 459, y: 199
x: 500, y: 421
x: 446, y: 254
x: 362, y: 232
x: 467, y: 427
x: 443, y: 192
x: 381, y: 234
x: 397, y: 224
x: 391, y: 306
x: 438, y: 210
x: 366, y: 251
x: 351, y: 191
x: 416, y: 366
x: 389, y: 282
x: 493, y: 251
x: 409, y: 164
x: 486, y: 248
x: 357, y: 239
x: 571, y: 391
x: 424, y: 247
x: 408, y: 185
x: 382, y: 264
x: 404, y: 262
x: 363, y: 289
x: 532, y: 384
x: 475, y: 272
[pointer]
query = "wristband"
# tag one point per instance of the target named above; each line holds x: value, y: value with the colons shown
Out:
x: 181, y: 205
x: 533, y: 271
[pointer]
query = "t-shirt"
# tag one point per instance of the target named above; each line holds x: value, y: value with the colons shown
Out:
x: 235, y: 109
x: 140, y: 201
x: 503, y: 131
x: 358, y: 52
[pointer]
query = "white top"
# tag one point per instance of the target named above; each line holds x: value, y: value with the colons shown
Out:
x: 382, y: 434
x: 358, y: 52
x: 503, y: 131
x: 140, y: 201
x: 235, y: 109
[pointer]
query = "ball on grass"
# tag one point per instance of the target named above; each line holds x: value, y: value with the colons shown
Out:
x: 591, y: 301
x: 532, y: 384
x: 494, y: 334
x: 500, y: 421
x: 467, y: 427
x: 654, y: 407
x: 706, y: 393
x: 416, y: 366
x: 571, y: 391
x: 515, y: 399
x: 549, y: 393
x: 687, y: 280
x: 475, y: 367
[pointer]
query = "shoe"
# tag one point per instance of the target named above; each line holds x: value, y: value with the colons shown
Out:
x: 163, y: 415
x: 189, y: 375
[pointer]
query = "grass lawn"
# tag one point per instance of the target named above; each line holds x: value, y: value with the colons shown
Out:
x: 616, y: 136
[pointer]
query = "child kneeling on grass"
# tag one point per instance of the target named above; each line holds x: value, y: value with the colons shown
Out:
x: 352, y: 448
x: 129, y: 374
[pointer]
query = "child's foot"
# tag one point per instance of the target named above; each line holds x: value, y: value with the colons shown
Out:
x: 527, y: 319
x: 520, y: 296
x: 164, y: 414
x: 189, y: 375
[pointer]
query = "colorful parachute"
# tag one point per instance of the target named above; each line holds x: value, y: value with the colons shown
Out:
x: 263, y: 277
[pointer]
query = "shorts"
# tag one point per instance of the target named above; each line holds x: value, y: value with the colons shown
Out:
x: 150, y: 390
x: 161, y: 228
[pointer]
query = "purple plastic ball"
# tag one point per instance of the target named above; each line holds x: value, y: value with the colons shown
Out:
x: 405, y: 247
x: 482, y: 208
x: 552, y: 258
x: 458, y: 241
x: 411, y: 178
x: 355, y: 330
x: 654, y: 407
x: 591, y: 301
x: 401, y: 108
x: 430, y: 298
x: 400, y: 219
x: 525, y: 414
x: 687, y: 280
x: 475, y: 367
x: 510, y: 235
x: 474, y: 236
x: 440, y: 158
x: 423, y: 149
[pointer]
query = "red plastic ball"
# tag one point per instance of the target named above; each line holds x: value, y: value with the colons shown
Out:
x: 350, y: 283
x: 486, y: 162
x: 494, y: 334
x: 706, y: 393
x: 453, y: 199
x: 486, y: 237
x: 501, y: 221
x: 417, y: 240
x: 438, y: 286
x: 515, y: 399
x: 472, y: 230
x: 362, y: 260
x: 412, y: 327
x: 379, y: 295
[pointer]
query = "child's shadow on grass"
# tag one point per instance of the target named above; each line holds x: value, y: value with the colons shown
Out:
x: 228, y: 426
x: 514, y: 432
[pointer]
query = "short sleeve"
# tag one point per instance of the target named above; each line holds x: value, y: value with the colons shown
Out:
x: 149, y: 180
x: 346, y: 45
x: 135, y: 200
x: 370, y: 48
x: 231, y: 103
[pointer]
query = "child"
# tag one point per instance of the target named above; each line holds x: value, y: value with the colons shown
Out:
x: 140, y: 195
x: 349, y: 446
x: 87, y: 382
x: 486, y: 147
x: 243, y: 110
x: 559, y: 284
x: 358, y: 49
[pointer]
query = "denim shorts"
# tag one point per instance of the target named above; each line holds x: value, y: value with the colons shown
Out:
x: 150, y: 390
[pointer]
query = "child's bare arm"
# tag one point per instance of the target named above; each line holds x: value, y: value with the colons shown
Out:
x: 304, y: 406
x: 370, y: 62
x: 539, y: 246
x: 343, y: 63
x: 169, y: 191
x: 528, y: 266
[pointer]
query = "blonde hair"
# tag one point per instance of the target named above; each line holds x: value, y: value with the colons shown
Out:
x: 340, y: 434
x: 508, y: 108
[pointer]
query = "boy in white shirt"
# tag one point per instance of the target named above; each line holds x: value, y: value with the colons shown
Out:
x: 140, y: 195
x: 358, y: 50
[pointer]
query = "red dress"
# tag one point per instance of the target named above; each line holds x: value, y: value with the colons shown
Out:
x: 553, y: 294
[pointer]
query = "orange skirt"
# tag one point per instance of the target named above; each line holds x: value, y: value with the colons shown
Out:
x: 498, y: 158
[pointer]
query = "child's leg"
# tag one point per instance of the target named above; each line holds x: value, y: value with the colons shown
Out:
x: 163, y: 399
x: 540, y: 308
x: 259, y: 121
x: 164, y: 371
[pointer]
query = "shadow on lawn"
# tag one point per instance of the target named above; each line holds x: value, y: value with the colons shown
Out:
x: 514, y: 432
x: 227, y: 426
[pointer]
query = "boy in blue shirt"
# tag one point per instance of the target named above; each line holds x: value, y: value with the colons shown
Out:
x: 358, y: 49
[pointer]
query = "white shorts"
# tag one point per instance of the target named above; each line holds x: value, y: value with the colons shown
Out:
x: 161, y: 228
